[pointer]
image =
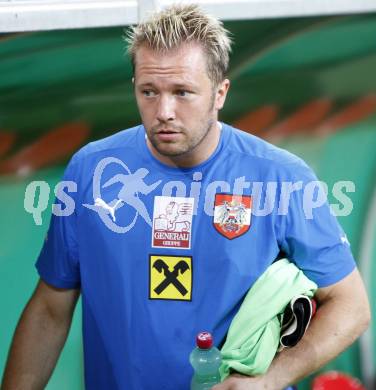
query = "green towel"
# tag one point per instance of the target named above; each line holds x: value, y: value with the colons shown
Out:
x: 253, y: 337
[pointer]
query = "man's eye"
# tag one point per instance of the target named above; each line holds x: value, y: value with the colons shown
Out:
x: 182, y: 93
x: 148, y: 93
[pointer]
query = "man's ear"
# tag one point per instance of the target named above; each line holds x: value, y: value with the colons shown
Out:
x: 221, y: 94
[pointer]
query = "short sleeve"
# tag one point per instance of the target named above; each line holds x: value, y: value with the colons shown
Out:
x: 58, y: 261
x: 311, y: 235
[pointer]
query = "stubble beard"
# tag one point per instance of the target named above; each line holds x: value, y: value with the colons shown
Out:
x: 186, y: 147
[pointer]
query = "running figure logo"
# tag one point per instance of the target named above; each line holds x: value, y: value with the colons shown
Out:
x: 133, y: 184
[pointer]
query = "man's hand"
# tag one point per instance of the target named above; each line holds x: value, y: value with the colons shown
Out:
x: 242, y: 382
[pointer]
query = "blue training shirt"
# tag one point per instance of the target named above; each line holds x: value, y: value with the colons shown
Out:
x: 162, y: 253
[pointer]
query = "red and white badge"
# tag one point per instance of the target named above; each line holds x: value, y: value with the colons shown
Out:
x: 232, y: 214
x: 172, y: 222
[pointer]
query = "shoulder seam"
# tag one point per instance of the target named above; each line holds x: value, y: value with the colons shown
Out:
x: 83, y: 152
x: 298, y: 161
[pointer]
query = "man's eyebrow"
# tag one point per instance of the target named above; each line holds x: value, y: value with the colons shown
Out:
x: 185, y: 85
x: 177, y: 85
x: 145, y: 85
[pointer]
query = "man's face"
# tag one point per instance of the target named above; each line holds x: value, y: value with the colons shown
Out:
x: 178, y: 103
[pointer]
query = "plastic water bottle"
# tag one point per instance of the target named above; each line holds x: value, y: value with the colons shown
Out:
x: 205, y: 360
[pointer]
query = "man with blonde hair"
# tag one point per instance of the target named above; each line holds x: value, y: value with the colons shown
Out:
x: 148, y: 289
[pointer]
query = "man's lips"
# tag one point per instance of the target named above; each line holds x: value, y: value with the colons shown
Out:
x: 167, y: 131
x: 167, y: 134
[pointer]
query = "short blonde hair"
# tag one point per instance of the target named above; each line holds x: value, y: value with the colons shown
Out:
x: 178, y: 24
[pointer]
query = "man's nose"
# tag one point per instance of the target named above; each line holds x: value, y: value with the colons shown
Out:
x: 166, y: 108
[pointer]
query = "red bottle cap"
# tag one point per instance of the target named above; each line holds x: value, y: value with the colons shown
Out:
x: 334, y: 380
x: 204, y: 340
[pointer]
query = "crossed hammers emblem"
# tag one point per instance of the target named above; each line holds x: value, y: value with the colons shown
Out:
x: 171, y: 277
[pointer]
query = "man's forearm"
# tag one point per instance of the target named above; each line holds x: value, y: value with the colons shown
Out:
x: 337, y: 324
x: 324, y: 340
x: 36, y: 346
x: 341, y: 318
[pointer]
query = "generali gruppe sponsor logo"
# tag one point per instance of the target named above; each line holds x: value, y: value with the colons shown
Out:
x: 267, y: 197
x: 172, y: 222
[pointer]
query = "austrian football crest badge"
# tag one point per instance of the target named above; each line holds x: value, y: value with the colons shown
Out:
x: 232, y: 214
